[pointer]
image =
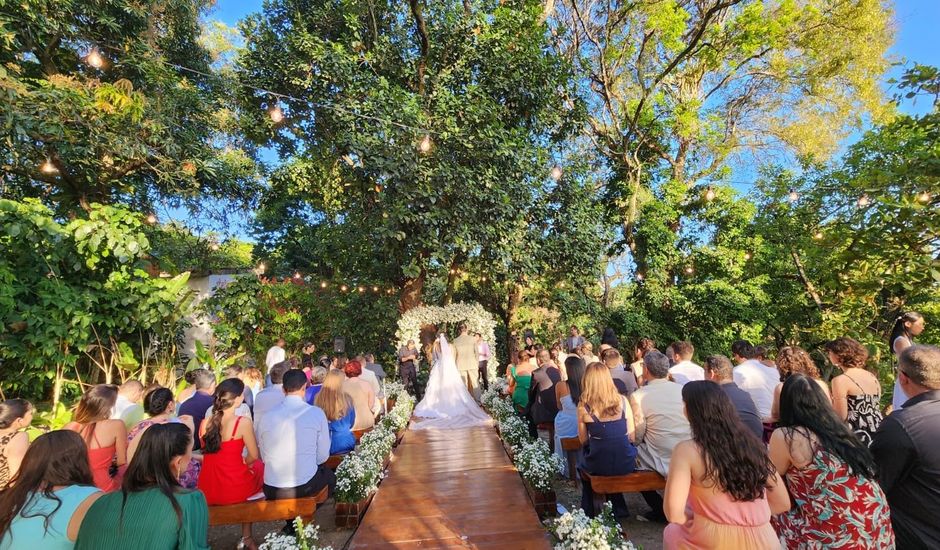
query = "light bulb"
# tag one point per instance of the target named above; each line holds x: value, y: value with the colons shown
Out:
x: 94, y: 59
x: 214, y: 246
x: 710, y: 194
x: 639, y: 276
x: 923, y: 197
x: 793, y: 196
x: 261, y: 267
x: 747, y: 255
x: 863, y: 200
x: 151, y: 219
x: 425, y: 144
x: 689, y: 270
x: 344, y: 288
x: 48, y: 168
x: 297, y: 275
x: 322, y: 284
x: 556, y: 173
x: 276, y: 114
x: 483, y: 279
x: 378, y: 188
x: 818, y: 236
x: 361, y: 289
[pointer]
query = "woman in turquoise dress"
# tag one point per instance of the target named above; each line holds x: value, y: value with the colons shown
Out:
x: 520, y: 379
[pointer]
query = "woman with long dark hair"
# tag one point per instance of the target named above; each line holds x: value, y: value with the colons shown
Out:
x: 724, y: 476
x: 567, y: 396
x: 106, y: 439
x: 227, y: 477
x: 160, y: 406
x: 15, y: 416
x: 830, y: 474
x: 908, y: 325
x: 151, y: 510
x: 46, y: 503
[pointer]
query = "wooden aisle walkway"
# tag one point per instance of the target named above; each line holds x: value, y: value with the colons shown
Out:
x: 451, y: 489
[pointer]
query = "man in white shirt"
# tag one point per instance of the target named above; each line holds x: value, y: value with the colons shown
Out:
x: 756, y: 378
x: 271, y: 397
x: 685, y: 371
x: 660, y: 424
x: 275, y: 355
x: 294, y: 439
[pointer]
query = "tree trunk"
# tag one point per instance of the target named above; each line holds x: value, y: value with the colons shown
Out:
x: 412, y: 292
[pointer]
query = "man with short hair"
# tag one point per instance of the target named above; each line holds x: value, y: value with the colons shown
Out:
x: 660, y: 424
x: 543, y: 405
x: 127, y: 407
x: 906, y: 448
x: 684, y: 370
x: 201, y: 400
x: 574, y: 340
x: 272, y: 396
x: 276, y: 354
x: 465, y: 351
x: 294, y: 439
x: 373, y: 381
x: 374, y: 367
x: 718, y: 369
x: 623, y: 376
x: 754, y: 377
x: 407, y: 367
x: 483, y: 357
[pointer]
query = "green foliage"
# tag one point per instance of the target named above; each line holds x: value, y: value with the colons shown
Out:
x: 176, y: 249
x: 76, y: 291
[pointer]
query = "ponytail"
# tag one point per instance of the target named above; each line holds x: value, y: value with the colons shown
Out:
x: 900, y: 327
x: 224, y: 398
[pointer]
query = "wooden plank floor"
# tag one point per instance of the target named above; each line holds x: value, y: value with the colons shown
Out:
x: 451, y: 489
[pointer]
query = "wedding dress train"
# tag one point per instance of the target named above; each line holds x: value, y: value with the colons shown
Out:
x: 447, y: 403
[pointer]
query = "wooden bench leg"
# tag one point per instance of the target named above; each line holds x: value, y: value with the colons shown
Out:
x: 599, y: 500
x: 572, y: 457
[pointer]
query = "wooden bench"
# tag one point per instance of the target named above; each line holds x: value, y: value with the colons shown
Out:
x: 571, y: 446
x: 550, y: 426
x: 257, y: 511
x: 359, y: 433
x: 630, y: 483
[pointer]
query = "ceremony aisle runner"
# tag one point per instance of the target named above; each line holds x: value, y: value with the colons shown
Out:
x: 451, y: 489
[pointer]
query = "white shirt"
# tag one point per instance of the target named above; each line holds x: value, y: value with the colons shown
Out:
x: 758, y: 380
x: 120, y: 406
x: 293, y: 439
x: 266, y: 400
x: 275, y: 355
x: 684, y: 372
x: 660, y: 423
x: 242, y: 410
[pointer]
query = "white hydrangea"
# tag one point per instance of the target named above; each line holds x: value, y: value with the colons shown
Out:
x: 306, y: 538
x: 514, y: 431
x: 575, y: 531
x: 475, y: 315
x: 537, y: 464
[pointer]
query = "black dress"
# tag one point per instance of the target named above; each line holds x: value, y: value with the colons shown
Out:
x: 608, y: 452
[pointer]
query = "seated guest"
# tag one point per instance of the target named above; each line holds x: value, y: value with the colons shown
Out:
x: 370, y: 377
x: 151, y: 510
x: 907, y: 453
x: 190, y: 386
x: 127, y: 407
x: 227, y: 476
x: 272, y: 396
x: 15, y: 416
x: 254, y: 380
x: 568, y: 395
x: 201, y: 401
x: 685, y: 371
x: 586, y: 351
x: 856, y: 393
x: 340, y: 412
x: 294, y: 440
x: 307, y: 357
x: 520, y: 380
x: 374, y: 367
x: 830, y: 474
x: 53, y: 490
x: 754, y: 377
x: 106, y: 439
x: 643, y: 346
x: 660, y: 424
x: 623, y: 378
x: 794, y: 360
x: 317, y: 376
x: 722, y: 488
x: 543, y: 405
x: 605, y: 428
x: 361, y: 394
x: 718, y: 369
x: 159, y: 405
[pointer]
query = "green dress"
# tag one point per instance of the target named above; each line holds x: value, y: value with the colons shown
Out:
x: 520, y: 396
x: 149, y: 522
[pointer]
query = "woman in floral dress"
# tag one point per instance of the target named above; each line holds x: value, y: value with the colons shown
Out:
x: 830, y: 474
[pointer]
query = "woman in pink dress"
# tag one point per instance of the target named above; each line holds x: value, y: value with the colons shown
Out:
x: 722, y: 487
x: 106, y: 439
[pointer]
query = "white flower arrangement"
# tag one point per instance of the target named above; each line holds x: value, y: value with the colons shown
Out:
x: 575, y: 531
x: 514, y: 431
x: 500, y: 384
x: 361, y: 471
x: 306, y: 538
x: 537, y: 464
x: 475, y: 315
x: 394, y: 389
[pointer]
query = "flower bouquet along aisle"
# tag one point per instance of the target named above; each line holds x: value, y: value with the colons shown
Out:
x: 575, y: 531
x: 306, y: 538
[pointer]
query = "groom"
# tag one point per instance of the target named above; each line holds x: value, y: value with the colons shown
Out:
x: 465, y: 346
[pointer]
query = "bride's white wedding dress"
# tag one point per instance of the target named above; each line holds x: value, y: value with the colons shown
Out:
x: 447, y: 403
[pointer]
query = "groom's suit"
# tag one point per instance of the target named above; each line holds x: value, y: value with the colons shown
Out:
x: 465, y: 347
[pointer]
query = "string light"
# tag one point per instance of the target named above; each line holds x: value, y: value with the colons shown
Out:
x: 361, y: 289
x: 297, y: 275
x: 344, y: 288
x: 48, y: 168
x: 864, y: 200
x: 483, y: 279
x: 556, y: 172
x: 322, y: 284
x: 152, y: 219
x: 425, y: 145
x: 747, y: 256
x: 924, y: 197
x: 689, y: 270
x: 709, y: 194
x: 214, y: 246
x: 276, y: 114
x: 375, y: 289
x: 378, y: 188
x: 94, y: 59
x: 818, y: 236
x: 261, y: 267
x: 639, y: 277
x: 793, y: 196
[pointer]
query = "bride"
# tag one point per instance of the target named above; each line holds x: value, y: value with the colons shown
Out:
x: 447, y: 403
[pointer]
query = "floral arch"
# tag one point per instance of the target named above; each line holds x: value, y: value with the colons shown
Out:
x: 411, y: 324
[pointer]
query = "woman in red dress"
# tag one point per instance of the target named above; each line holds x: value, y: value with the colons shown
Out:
x: 229, y: 474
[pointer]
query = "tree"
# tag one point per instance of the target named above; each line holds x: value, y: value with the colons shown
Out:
x: 97, y: 107
x: 422, y: 137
